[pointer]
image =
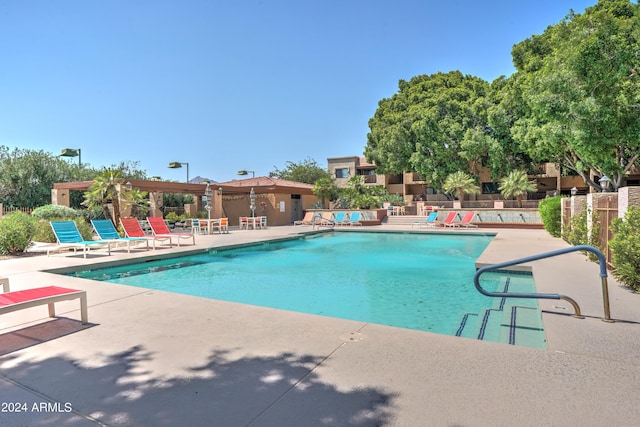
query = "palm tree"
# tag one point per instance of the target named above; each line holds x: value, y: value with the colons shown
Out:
x: 105, y: 189
x: 459, y: 184
x: 516, y: 184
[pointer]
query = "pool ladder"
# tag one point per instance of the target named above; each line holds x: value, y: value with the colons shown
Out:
x: 499, y: 266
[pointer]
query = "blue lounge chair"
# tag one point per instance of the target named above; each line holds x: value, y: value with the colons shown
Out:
x: 354, y: 218
x: 430, y: 221
x: 69, y: 237
x: 106, y: 231
x: 340, y: 218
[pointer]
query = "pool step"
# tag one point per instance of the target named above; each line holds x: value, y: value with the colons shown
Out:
x: 506, y: 322
x: 523, y: 327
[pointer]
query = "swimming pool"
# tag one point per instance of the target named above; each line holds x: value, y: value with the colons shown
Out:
x: 416, y: 281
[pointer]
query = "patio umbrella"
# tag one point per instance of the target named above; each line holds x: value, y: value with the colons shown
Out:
x: 252, y: 201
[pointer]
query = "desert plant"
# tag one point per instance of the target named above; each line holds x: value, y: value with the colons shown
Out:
x: 625, y: 247
x: 16, y: 232
x: 550, y: 210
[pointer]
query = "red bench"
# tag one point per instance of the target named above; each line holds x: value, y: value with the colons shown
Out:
x: 18, y: 300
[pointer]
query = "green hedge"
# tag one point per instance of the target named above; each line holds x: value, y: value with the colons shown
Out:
x: 551, y: 214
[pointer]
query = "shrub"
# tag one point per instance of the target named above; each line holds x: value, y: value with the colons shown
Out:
x: 576, y: 232
x: 625, y: 247
x: 49, y: 212
x: 394, y: 199
x: 16, y: 232
x: 551, y: 213
x: 174, y: 217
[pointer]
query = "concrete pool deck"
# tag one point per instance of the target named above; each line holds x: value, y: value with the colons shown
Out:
x: 152, y: 358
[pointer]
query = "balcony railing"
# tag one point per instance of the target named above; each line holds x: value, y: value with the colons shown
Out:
x: 370, y: 179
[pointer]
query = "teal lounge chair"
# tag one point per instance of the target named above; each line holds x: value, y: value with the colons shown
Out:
x: 69, y: 237
x: 106, y: 231
x: 340, y: 218
x: 354, y: 218
x: 430, y: 221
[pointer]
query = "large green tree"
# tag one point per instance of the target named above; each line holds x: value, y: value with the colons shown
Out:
x: 27, y: 176
x: 307, y: 171
x: 580, y: 91
x: 422, y: 127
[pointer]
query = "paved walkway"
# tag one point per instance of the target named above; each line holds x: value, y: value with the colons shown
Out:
x: 152, y: 358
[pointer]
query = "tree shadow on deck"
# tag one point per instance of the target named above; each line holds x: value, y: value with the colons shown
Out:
x: 277, y: 390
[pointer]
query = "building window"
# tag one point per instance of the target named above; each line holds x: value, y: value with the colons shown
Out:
x: 490, y: 188
x: 342, y: 172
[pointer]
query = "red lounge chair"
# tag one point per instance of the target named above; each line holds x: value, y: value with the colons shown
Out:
x: 160, y: 229
x: 466, y: 220
x: 132, y: 228
x: 18, y: 300
x: 448, y: 221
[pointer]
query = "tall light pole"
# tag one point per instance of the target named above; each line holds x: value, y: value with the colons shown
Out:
x: 178, y: 165
x: 72, y: 152
x: 246, y: 172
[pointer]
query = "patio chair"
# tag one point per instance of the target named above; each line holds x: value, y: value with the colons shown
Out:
x: 354, y: 218
x: 18, y: 300
x: 159, y: 228
x: 449, y: 220
x: 466, y: 220
x: 200, y: 227
x: 106, y: 231
x: 261, y: 222
x: 132, y: 228
x: 327, y: 220
x: 243, y: 222
x: 340, y: 218
x: 307, y: 220
x: 222, y: 225
x: 430, y: 221
x: 68, y: 237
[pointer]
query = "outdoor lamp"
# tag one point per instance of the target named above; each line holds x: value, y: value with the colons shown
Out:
x: 604, y: 183
x: 178, y: 165
x: 128, y: 186
x: 246, y: 172
x: 72, y: 152
x: 574, y: 191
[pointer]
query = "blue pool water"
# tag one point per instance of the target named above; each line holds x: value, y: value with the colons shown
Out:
x: 416, y: 281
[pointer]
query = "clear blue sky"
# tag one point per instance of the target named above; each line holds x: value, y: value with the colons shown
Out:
x: 230, y: 85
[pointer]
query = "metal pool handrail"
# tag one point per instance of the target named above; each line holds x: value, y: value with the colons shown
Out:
x: 603, y: 278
